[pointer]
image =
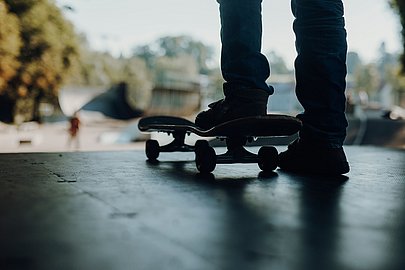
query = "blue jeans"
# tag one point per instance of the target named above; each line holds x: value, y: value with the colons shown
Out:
x: 320, y: 66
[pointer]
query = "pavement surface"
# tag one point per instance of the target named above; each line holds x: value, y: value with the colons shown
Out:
x: 102, y: 135
x: 114, y: 210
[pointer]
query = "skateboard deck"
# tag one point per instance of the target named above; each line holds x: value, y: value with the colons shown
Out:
x: 235, y: 132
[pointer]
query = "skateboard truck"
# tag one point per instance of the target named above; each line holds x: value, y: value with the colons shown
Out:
x: 152, y: 147
x: 206, y: 157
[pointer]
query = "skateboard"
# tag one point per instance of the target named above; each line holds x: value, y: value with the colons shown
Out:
x: 236, y: 133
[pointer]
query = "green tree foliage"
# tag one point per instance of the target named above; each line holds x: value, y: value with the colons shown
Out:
x: 20, y: 6
x: 93, y: 68
x: 49, y: 46
x: 177, y: 47
x: 397, y: 76
x: 134, y: 72
x: 176, y: 60
x: 101, y: 69
x: 48, y: 49
x: 183, y: 66
x: 10, y: 44
x: 399, y: 7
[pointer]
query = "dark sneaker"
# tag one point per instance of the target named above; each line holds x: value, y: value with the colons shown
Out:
x: 243, y: 103
x: 313, y: 159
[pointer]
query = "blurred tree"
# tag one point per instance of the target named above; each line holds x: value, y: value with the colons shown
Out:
x: 215, y: 86
x: 385, y: 58
x: 49, y: 47
x: 134, y: 72
x: 10, y: 44
x: 397, y: 76
x: 277, y: 63
x: 353, y: 62
x: 146, y: 53
x: 101, y: 69
x: 399, y: 7
x: 368, y: 79
x: 174, y: 47
x: 20, y: 6
x: 390, y: 70
x: 93, y: 67
x: 397, y: 80
x: 183, y: 66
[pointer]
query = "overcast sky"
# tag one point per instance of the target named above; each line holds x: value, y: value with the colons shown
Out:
x: 119, y: 25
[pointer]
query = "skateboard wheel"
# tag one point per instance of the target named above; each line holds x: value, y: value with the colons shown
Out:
x: 201, y: 144
x: 152, y: 149
x: 268, y: 158
x: 205, y: 159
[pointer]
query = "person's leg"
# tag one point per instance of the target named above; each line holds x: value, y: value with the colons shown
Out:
x: 242, y: 64
x: 320, y: 69
x: 244, y: 69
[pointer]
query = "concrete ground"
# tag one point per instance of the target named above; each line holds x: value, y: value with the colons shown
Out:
x: 114, y: 210
x: 105, y: 135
